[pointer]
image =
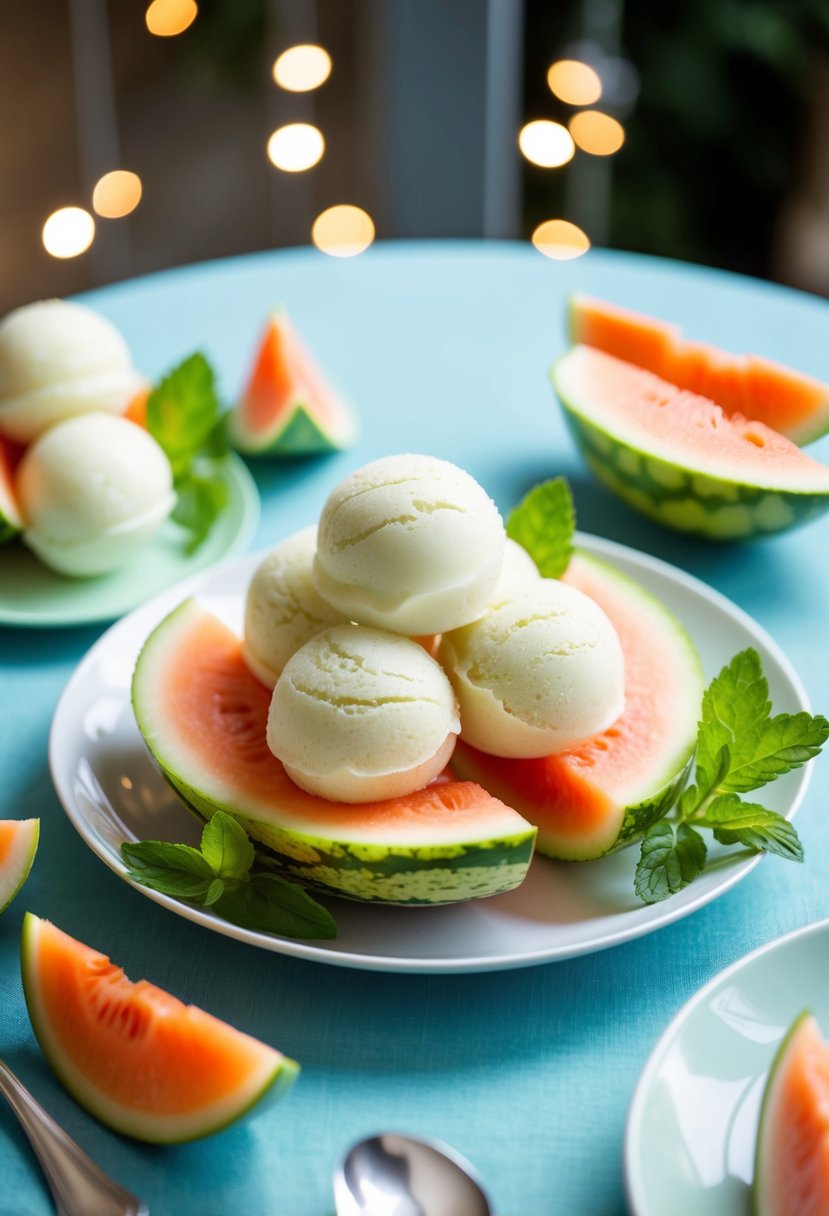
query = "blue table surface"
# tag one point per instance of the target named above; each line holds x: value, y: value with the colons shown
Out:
x: 443, y: 348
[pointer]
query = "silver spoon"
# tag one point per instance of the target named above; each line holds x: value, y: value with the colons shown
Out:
x: 79, y: 1187
x: 396, y: 1175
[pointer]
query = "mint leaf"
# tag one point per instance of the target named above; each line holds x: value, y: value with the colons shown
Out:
x: 738, y: 822
x: 672, y: 855
x: 183, y: 411
x: 270, y: 904
x: 543, y: 523
x: 735, y: 704
x: 174, y: 869
x: 776, y: 746
x: 225, y: 846
x: 214, y: 892
x: 201, y: 498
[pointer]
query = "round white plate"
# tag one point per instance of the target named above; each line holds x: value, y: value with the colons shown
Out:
x: 112, y: 792
x: 693, y: 1121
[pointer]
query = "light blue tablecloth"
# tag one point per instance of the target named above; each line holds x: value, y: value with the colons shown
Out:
x: 444, y: 349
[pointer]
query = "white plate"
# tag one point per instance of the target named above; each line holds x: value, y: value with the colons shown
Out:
x: 692, y: 1126
x: 112, y: 792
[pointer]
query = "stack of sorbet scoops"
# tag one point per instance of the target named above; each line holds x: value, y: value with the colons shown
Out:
x: 406, y: 618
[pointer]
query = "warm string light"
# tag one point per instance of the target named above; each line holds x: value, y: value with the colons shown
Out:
x: 574, y: 82
x: 546, y: 143
x: 68, y: 232
x: 116, y: 194
x: 166, y: 18
x: 302, y: 68
x: 343, y: 231
x: 296, y: 147
x: 560, y: 240
x: 597, y: 133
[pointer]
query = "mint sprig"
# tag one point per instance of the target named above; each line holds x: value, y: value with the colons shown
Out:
x: 222, y: 874
x: 543, y: 523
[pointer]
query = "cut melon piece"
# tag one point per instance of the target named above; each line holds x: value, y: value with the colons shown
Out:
x: 287, y: 409
x: 603, y: 794
x: 134, y: 1056
x: 678, y: 459
x: 791, y: 1167
x: 11, y: 520
x: 203, y: 715
x: 759, y: 389
x: 18, y: 845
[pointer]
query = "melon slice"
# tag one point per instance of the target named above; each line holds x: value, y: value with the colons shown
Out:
x: 18, y: 845
x: 602, y: 795
x: 134, y: 1056
x: 678, y: 459
x: 203, y: 715
x: 287, y: 409
x: 791, y: 1168
x: 789, y: 402
x: 11, y: 520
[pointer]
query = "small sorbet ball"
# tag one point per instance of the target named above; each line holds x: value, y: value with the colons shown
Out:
x: 539, y: 673
x: 409, y: 543
x: 283, y: 609
x: 93, y: 490
x: 59, y: 359
x: 517, y: 570
x: 359, y: 715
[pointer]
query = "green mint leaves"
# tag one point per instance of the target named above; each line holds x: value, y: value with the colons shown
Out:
x: 543, y: 523
x: 740, y: 747
x: 221, y: 875
x: 185, y: 418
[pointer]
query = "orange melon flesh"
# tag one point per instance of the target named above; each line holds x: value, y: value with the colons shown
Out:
x: 792, y: 1160
x: 756, y: 388
x: 11, y: 520
x: 136, y: 410
x: 18, y: 845
x: 136, y: 1057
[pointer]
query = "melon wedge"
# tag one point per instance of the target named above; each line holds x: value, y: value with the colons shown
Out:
x: 678, y: 459
x: 602, y: 795
x: 11, y: 521
x: 791, y: 1168
x: 134, y: 1056
x: 789, y: 402
x: 203, y: 715
x: 18, y: 845
x: 287, y: 408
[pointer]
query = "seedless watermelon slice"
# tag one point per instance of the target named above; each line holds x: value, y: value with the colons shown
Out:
x: 18, y: 845
x: 137, y: 1058
x: 11, y: 521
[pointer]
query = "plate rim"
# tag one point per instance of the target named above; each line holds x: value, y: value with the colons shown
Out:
x: 466, y: 964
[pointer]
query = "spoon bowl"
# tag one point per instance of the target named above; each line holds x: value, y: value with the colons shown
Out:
x: 395, y: 1175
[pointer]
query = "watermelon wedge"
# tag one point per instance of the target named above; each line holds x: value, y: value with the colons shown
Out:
x: 134, y: 1056
x: 759, y: 389
x: 791, y: 1168
x: 18, y: 845
x: 203, y: 715
x: 678, y: 458
x: 287, y: 408
x: 11, y: 521
x: 603, y: 794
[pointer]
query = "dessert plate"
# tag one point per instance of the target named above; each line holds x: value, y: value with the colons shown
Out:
x: 692, y: 1125
x: 33, y: 595
x: 112, y: 792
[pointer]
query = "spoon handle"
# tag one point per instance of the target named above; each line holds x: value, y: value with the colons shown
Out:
x: 77, y: 1184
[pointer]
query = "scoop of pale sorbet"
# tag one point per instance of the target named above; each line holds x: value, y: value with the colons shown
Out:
x: 360, y: 715
x: 409, y: 543
x: 93, y: 490
x: 539, y: 673
x: 59, y: 359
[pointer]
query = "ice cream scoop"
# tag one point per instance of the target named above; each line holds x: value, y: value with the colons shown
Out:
x: 539, y: 673
x: 409, y: 543
x: 517, y: 570
x: 59, y: 359
x: 283, y: 609
x: 92, y: 490
x: 360, y: 715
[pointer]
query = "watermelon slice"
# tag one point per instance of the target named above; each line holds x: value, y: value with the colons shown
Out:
x: 678, y: 458
x: 287, y: 408
x: 791, y: 1168
x: 603, y: 794
x: 134, y: 1056
x: 11, y: 521
x: 790, y: 403
x: 18, y: 845
x: 203, y: 715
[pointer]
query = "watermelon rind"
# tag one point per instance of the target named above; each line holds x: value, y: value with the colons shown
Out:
x: 390, y: 866
x: 685, y: 497
x: 299, y: 433
x: 19, y: 860
x: 275, y: 1076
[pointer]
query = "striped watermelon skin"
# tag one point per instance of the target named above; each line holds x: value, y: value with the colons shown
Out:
x: 298, y: 433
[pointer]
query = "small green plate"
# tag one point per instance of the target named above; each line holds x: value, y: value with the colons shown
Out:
x: 33, y: 596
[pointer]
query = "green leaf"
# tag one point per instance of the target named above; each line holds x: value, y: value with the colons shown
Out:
x: 776, y: 746
x: 748, y: 823
x: 672, y: 856
x: 543, y: 523
x: 174, y: 869
x: 214, y: 892
x: 271, y: 904
x: 183, y: 411
x: 225, y: 846
x: 201, y: 498
x: 735, y: 704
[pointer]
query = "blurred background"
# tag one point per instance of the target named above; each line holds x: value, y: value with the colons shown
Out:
x: 142, y: 135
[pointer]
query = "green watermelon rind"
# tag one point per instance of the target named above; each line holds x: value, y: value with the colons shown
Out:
x: 299, y: 432
x: 761, y: 1150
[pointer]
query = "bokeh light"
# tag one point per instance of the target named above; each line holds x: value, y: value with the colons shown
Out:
x: 546, y: 143
x: 116, y: 194
x: 68, y: 232
x: 343, y: 231
x: 561, y: 240
x: 302, y: 68
x: 166, y: 18
x: 296, y: 147
x: 597, y: 133
x: 574, y: 82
